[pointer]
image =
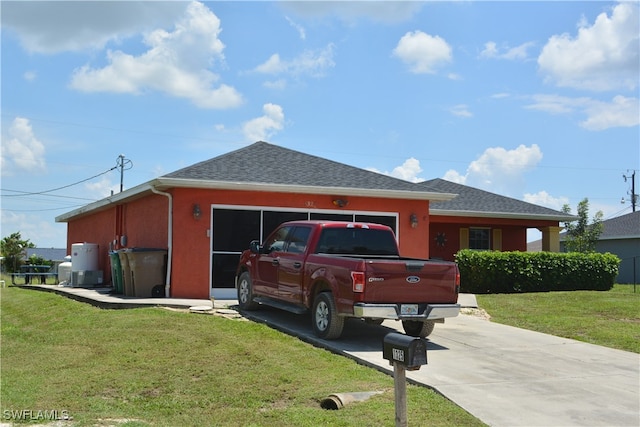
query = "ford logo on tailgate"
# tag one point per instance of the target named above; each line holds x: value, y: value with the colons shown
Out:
x: 413, y: 279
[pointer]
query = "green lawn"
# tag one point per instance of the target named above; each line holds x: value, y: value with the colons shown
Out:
x: 611, y: 318
x: 159, y: 367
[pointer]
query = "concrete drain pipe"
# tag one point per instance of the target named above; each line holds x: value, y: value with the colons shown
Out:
x: 340, y: 400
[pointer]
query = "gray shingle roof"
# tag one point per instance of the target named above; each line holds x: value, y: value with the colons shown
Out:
x: 265, y: 163
x: 475, y: 200
x: 624, y: 226
x: 48, y: 254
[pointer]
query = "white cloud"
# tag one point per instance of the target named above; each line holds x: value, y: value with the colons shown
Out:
x: 263, y: 127
x: 621, y: 112
x: 102, y: 188
x: 542, y: 198
x: 177, y: 63
x: 600, y: 115
x: 520, y: 52
x: 499, y: 170
x: 58, y: 26
x: 423, y: 53
x: 408, y: 171
x: 43, y: 233
x: 387, y: 12
x: 603, y: 56
x: 461, y: 110
x: 314, y: 63
x: 299, y: 28
x: 22, y: 150
x: 279, y: 84
x: 30, y: 76
x: 455, y: 176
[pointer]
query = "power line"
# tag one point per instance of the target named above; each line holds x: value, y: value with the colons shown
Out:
x: 121, y: 163
x: 41, y: 210
x: 25, y: 193
x: 22, y: 193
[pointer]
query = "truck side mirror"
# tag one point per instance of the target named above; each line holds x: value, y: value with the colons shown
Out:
x: 410, y: 352
x: 254, y: 246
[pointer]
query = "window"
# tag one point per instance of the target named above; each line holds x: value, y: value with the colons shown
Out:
x: 479, y: 238
x: 357, y: 241
x: 276, y: 242
x: 234, y: 229
x: 298, y: 240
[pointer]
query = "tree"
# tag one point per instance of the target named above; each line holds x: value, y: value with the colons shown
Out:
x: 13, y: 249
x: 580, y: 235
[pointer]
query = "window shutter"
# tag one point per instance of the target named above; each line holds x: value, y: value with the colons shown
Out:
x: 497, y: 239
x: 464, y: 238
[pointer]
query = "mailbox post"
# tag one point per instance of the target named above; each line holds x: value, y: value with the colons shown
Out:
x: 404, y: 353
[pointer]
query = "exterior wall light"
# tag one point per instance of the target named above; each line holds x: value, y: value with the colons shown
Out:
x: 414, y: 220
x: 341, y: 203
x: 197, y: 213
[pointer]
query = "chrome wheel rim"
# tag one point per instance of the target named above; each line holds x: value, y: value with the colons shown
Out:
x: 244, y: 291
x: 322, y: 316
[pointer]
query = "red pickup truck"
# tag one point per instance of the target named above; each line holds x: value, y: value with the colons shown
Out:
x: 337, y: 270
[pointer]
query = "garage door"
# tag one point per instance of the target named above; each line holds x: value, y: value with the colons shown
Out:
x: 235, y: 226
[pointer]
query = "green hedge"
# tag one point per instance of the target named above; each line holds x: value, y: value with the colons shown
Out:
x: 488, y: 272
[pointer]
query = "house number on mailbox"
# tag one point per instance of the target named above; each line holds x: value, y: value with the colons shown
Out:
x: 398, y: 355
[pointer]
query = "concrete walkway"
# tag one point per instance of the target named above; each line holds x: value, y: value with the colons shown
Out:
x: 504, y: 376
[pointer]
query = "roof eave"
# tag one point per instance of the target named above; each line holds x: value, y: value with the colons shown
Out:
x: 166, y: 183
x: 503, y: 215
x: 129, y: 194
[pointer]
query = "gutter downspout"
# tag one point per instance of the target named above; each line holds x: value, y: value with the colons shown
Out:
x: 167, y: 284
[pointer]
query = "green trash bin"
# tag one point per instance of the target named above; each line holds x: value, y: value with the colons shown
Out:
x: 116, y: 272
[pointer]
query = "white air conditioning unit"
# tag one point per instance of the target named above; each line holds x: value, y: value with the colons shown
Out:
x: 86, y: 278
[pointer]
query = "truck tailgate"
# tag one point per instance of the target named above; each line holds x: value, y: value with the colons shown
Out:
x: 410, y: 281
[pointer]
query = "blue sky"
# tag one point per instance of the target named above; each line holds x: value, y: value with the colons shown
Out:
x: 534, y: 100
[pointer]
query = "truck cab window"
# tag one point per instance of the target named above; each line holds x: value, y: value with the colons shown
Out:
x: 298, y: 240
x: 276, y: 243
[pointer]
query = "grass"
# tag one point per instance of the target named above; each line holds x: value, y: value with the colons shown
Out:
x: 158, y: 367
x: 610, y: 319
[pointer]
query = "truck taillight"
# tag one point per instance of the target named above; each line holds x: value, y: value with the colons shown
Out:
x: 357, y: 277
x: 458, y: 282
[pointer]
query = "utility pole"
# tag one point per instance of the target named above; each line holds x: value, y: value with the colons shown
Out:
x: 123, y: 163
x: 634, y: 196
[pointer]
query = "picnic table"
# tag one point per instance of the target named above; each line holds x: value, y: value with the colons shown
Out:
x: 31, y: 273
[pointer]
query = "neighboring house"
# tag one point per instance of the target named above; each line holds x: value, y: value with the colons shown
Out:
x: 48, y: 254
x: 207, y: 213
x: 621, y: 236
x: 55, y: 255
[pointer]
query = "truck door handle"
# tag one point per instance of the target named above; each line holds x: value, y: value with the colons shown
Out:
x: 275, y: 262
x: 297, y: 264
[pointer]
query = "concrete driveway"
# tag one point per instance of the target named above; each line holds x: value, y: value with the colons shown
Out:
x: 503, y: 375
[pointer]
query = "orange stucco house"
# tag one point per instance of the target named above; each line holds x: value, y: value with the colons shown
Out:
x: 204, y: 215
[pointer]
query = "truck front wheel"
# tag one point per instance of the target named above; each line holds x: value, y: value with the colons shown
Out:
x: 417, y: 328
x: 326, y: 322
x: 245, y: 292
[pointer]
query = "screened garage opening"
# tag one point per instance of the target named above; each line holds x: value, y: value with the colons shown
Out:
x: 235, y: 226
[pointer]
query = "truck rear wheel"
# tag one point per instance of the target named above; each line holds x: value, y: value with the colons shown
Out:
x: 326, y: 322
x: 245, y: 292
x: 418, y: 328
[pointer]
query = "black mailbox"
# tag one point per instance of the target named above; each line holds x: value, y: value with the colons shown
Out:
x: 410, y: 352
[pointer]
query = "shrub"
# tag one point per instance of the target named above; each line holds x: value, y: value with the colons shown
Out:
x: 486, y: 272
